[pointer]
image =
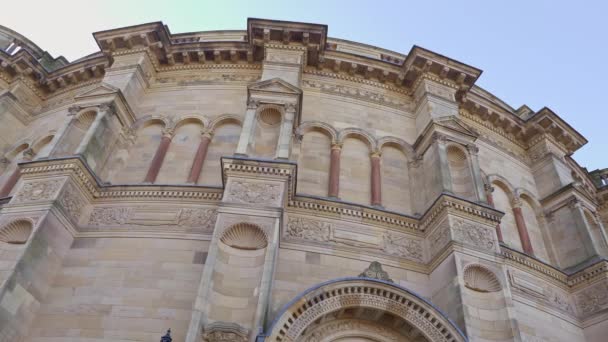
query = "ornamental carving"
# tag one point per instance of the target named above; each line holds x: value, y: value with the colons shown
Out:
x: 402, y: 246
x: 375, y: 271
x: 357, y: 93
x: 470, y: 233
x: 549, y: 295
x: 439, y: 238
x: 71, y: 202
x: 592, y: 299
x: 254, y: 193
x: 209, y: 79
x: 109, y: 216
x: 38, y: 191
x: 199, y: 218
x: 306, y: 229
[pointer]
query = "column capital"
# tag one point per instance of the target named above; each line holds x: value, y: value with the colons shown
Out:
x: 473, y: 149
x: 253, y: 104
x: 28, y: 154
x: 107, y: 108
x: 73, y: 110
x: 168, y: 132
x: 207, y: 134
x: 516, y: 203
x: 488, y: 188
x: 375, y: 154
x: 336, y: 146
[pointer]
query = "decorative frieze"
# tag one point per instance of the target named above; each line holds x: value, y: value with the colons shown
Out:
x: 254, y: 193
x: 72, y: 202
x: 375, y: 241
x: 38, y: 191
x: 358, y: 93
x: 193, y: 80
x: 534, y: 289
x: 473, y: 234
x: 200, y: 219
x: 592, y: 299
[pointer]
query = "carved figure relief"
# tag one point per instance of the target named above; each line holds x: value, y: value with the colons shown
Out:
x: 469, y: 233
x: 529, y: 287
x: 252, y: 193
x: 38, y: 191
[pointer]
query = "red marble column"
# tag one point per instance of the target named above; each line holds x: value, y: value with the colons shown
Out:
x: 334, y: 171
x: 490, y: 198
x: 14, y: 177
x: 199, y: 159
x: 159, y: 156
x: 376, y: 181
x: 522, y: 230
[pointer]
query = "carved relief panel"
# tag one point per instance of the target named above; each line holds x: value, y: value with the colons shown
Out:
x: 353, y: 236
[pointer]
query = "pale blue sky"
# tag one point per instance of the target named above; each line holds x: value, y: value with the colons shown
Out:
x: 539, y: 53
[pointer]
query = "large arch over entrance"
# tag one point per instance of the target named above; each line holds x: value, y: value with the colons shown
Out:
x: 361, y: 310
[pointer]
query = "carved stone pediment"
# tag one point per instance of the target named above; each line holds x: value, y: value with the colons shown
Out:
x: 274, y: 85
x: 103, y: 89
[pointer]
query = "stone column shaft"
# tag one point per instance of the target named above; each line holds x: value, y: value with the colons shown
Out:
x: 199, y: 159
x: 376, y: 180
x: 522, y: 230
x: 246, y: 131
x: 334, y: 171
x: 490, y: 199
x: 444, y: 167
x: 477, y: 181
x: 90, y: 132
x: 284, y: 140
x: 159, y: 157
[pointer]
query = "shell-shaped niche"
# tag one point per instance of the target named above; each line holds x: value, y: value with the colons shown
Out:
x: 84, y: 120
x: 244, y: 236
x: 480, y: 279
x: 16, y: 232
x: 270, y: 116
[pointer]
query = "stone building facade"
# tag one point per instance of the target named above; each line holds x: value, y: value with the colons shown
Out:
x: 275, y: 184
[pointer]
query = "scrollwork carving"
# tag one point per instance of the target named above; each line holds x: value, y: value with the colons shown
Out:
x: 109, y: 216
x: 198, y: 218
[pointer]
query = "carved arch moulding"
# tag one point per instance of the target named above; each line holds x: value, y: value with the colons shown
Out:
x: 340, y: 302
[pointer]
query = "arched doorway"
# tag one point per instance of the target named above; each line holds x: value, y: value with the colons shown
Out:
x: 361, y: 310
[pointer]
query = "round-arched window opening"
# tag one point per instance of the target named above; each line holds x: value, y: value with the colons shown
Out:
x: 480, y: 279
x: 16, y: 232
x: 245, y: 236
